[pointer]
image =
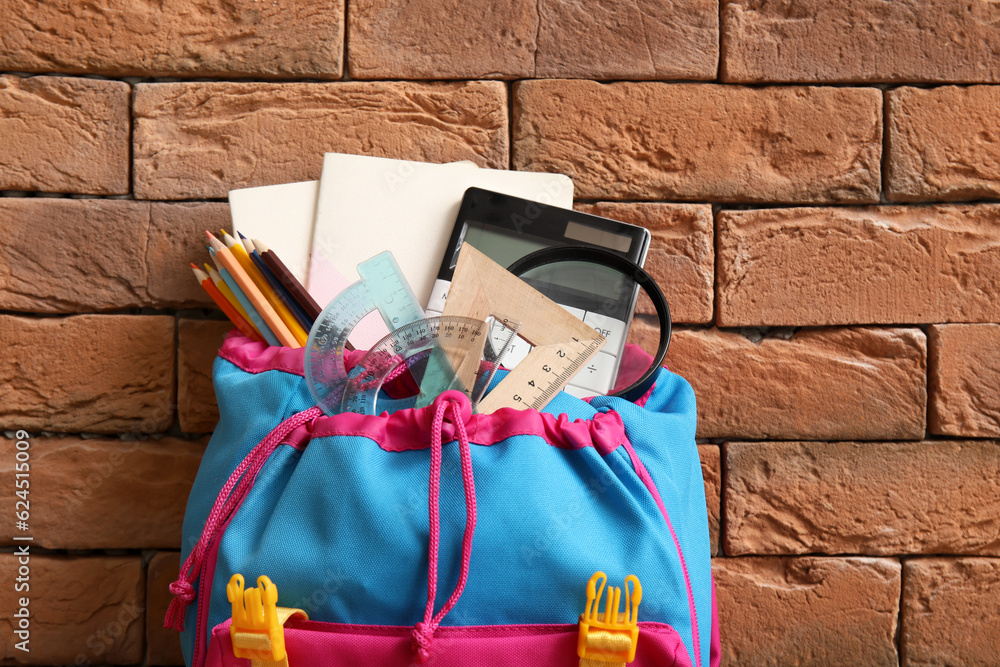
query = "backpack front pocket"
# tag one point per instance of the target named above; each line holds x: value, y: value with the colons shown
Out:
x: 316, y: 644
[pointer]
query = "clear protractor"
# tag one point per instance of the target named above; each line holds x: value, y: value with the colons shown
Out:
x: 424, y: 341
x: 383, y: 288
x: 326, y: 373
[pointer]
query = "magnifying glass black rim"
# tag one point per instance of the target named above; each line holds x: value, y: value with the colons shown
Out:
x: 628, y: 268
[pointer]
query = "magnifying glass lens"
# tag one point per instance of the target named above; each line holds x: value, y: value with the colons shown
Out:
x: 605, y: 299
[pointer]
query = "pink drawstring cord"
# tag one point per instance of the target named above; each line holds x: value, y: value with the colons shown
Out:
x: 230, y: 497
x: 423, y: 632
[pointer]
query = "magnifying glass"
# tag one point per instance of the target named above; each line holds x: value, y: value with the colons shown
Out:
x: 611, y: 284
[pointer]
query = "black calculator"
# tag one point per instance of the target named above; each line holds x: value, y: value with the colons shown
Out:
x: 506, y: 228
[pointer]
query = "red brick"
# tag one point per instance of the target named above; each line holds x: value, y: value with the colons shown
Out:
x: 818, y: 384
x: 198, y: 342
x: 641, y: 40
x: 588, y: 39
x: 932, y: 497
x: 177, y: 238
x: 439, y: 40
x: 964, y: 379
x: 950, y: 611
x: 64, y: 135
x: 297, y: 38
x: 807, y: 611
x: 878, y: 265
x: 72, y: 255
x: 96, y: 373
x: 681, y: 253
x: 697, y: 142
x: 79, y: 488
x: 196, y: 140
x: 849, y: 41
x: 942, y: 143
x: 163, y: 646
x: 711, y: 471
x: 84, y: 610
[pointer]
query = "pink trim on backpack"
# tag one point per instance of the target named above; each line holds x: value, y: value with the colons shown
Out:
x: 715, y: 647
x: 257, y: 356
x: 409, y: 429
x: 314, y: 644
x: 644, y: 475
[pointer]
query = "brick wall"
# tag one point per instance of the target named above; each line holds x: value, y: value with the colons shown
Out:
x: 818, y: 178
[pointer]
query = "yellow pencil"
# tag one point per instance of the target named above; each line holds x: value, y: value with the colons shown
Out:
x: 252, y: 293
x: 226, y: 292
x: 240, y: 253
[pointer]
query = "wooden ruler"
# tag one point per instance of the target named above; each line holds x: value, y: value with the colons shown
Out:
x: 562, y: 343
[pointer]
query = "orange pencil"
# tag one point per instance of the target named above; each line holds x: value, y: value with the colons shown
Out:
x: 253, y: 295
x: 240, y: 253
x: 245, y: 327
x: 223, y: 288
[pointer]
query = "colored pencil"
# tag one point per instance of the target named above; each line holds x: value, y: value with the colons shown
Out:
x: 226, y: 292
x: 234, y: 316
x: 250, y: 290
x: 286, y: 297
x: 287, y: 279
x: 240, y: 253
x: 237, y: 285
x: 279, y: 289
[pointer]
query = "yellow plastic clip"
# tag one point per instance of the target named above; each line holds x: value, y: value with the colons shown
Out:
x: 609, y: 637
x: 257, y: 630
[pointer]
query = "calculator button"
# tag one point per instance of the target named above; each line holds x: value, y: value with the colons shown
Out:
x: 579, y: 392
x: 438, y: 295
x: 613, y: 331
x: 515, y: 354
x: 575, y: 312
x: 598, y: 374
x: 432, y: 313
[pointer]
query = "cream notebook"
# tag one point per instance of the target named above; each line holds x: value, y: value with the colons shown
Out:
x: 370, y: 204
x: 282, y: 217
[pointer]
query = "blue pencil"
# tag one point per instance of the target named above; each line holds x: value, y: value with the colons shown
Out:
x: 258, y: 321
x: 279, y: 289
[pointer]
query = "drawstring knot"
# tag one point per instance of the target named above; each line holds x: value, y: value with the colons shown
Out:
x: 183, y: 590
x: 423, y: 632
x: 422, y: 636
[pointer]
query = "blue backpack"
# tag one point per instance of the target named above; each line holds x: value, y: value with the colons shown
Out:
x: 436, y: 535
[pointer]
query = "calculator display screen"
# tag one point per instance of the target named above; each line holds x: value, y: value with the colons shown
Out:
x: 599, y: 237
